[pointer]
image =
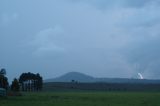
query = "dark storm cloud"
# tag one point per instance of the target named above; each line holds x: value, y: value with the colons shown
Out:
x: 103, y: 38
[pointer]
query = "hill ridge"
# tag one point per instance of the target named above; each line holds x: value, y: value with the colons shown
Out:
x: 81, y: 77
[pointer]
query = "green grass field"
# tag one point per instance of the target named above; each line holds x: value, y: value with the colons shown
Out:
x: 84, y: 99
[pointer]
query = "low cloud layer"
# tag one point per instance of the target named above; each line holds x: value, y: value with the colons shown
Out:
x: 102, y: 38
x: 45, y: 40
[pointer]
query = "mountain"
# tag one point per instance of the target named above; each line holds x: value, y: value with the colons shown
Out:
x: 68, y: 77
x: 80, y: 77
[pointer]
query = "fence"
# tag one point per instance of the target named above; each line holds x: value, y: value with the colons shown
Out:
x: 2, y: 92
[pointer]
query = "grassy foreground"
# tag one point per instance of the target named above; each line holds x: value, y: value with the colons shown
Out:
x: 84, y: 99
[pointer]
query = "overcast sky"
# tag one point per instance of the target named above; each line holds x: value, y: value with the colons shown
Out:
x: 101, y: 38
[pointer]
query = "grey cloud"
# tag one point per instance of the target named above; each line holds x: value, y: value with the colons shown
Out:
x: 6, y: 18
x: 101, y: 38
x: 109, y: 4
x: 45, y: 40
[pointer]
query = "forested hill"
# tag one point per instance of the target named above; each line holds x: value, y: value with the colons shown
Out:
x: 80, y: 77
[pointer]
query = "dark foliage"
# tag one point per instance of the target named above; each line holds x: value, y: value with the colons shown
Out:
x: 31, y: 82
x: 3, y: 79
x: 15, y: 85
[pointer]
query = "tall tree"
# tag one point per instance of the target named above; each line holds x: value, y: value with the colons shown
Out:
x: 3, y: 71
x: 39, y: 81
x: 15, y: 85
x: 3, y: 79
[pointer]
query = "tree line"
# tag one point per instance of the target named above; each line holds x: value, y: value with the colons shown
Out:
x: 30, y: 82
x: 26, y: 82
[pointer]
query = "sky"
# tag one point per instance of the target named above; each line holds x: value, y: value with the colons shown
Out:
x: 101, y: 38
